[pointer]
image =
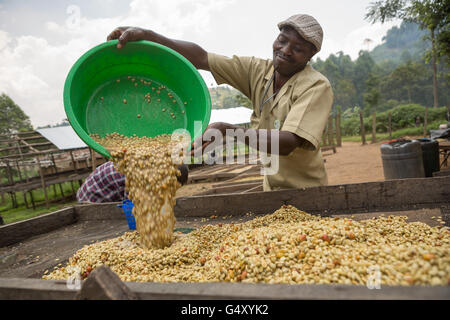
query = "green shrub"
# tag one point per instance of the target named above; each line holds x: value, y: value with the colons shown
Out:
x: 402, y: 117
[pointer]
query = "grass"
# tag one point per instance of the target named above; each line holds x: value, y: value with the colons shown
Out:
x: 10, y: 214
x: 22, y: 213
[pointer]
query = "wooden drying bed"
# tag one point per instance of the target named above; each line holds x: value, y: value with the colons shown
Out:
x: 28, y: 248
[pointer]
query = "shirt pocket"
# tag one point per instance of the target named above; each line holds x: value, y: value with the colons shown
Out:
x: 279, y: 112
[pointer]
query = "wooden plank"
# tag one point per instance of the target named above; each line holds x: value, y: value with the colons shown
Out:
x: 441, y: 173
x: 22, y: 138
x: 229, y: 184
x: 19, y: 231
x: 232, y: 189
x: 32, y: 154
x: 27, y: 146
x: 17, y: 133
x: 211, y: 177
x: 254, y: 170
x: 38, y: 289
x: 35, y: 289
x: 395, y: 195
x: 256, y: 188
x: 36, y: 183
x: 325, y: 200
x: 98, y: 211
x: 104, y: 284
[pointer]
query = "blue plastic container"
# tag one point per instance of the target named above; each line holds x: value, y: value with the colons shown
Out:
x: 127, y: 207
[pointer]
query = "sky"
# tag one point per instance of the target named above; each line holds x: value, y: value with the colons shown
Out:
x: 41, y: 40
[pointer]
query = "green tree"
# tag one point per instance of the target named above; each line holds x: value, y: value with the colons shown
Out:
x: 372, y: 94
x: 345, y: 93
x: 432, y: 15
x: 243, y: 101
x: 363, y: 68
x: 12, y: 118
x: 403, y: 81
x: 405, y: 38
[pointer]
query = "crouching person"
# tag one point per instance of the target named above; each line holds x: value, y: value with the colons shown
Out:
x: 106, y: 184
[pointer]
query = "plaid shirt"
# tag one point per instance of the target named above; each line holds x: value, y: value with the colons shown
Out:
x: 105, y: 184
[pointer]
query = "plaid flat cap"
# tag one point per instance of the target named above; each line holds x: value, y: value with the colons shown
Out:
x: 307, y: 27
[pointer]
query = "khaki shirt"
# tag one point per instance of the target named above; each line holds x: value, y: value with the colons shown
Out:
x: 302, y: 106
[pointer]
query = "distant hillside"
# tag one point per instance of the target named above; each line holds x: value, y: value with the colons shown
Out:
x: 401, y: 44
x: 227, y: 97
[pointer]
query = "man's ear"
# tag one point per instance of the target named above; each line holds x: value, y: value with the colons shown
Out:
x: 313, y: 51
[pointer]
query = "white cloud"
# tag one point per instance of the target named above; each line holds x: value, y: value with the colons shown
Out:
x: 33, y: 68
x: 354, y: 41
x: 5, y: 39
x: 33, y: 71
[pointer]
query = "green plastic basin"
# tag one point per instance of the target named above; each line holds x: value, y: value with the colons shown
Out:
x: 143, y: 89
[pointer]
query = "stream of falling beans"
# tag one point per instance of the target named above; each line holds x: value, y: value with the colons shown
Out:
x: 151, y: 182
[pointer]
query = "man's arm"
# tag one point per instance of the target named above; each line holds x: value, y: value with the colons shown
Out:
x: 191, y: 51
x: 288, y: 141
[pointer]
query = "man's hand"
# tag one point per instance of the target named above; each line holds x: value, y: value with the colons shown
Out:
x: 191, y: 51
x: 199, y: 144
x: 125, y: 34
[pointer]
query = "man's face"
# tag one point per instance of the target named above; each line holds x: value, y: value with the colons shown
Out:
x: 291, y: 52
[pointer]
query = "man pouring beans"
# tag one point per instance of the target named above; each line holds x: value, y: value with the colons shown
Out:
x: 286, y: 92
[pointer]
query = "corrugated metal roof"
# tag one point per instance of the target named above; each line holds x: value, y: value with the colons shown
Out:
x: 239, y: 115
x: 63, y: 138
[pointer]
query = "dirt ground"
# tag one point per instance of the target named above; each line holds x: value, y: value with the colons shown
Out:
x: 354, y: 163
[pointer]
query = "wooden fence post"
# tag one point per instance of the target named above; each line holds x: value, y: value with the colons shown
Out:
x: 338, y: 130
x: 9, y: 173
x: 25, y: 199
x: 73, y: 161
x: 374, y: 127
x: 93, y: 160
x: 330, y: 131
x: 363, y: 130
x: 32, y: 200
x: 324, y: 137
x: 56, y: 171
x: 18, y: 170
x: 44, y: 187
x: 390, y: 125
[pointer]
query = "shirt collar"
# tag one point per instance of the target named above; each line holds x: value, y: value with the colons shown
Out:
x: 269, y: 74
x: 271, y: 71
